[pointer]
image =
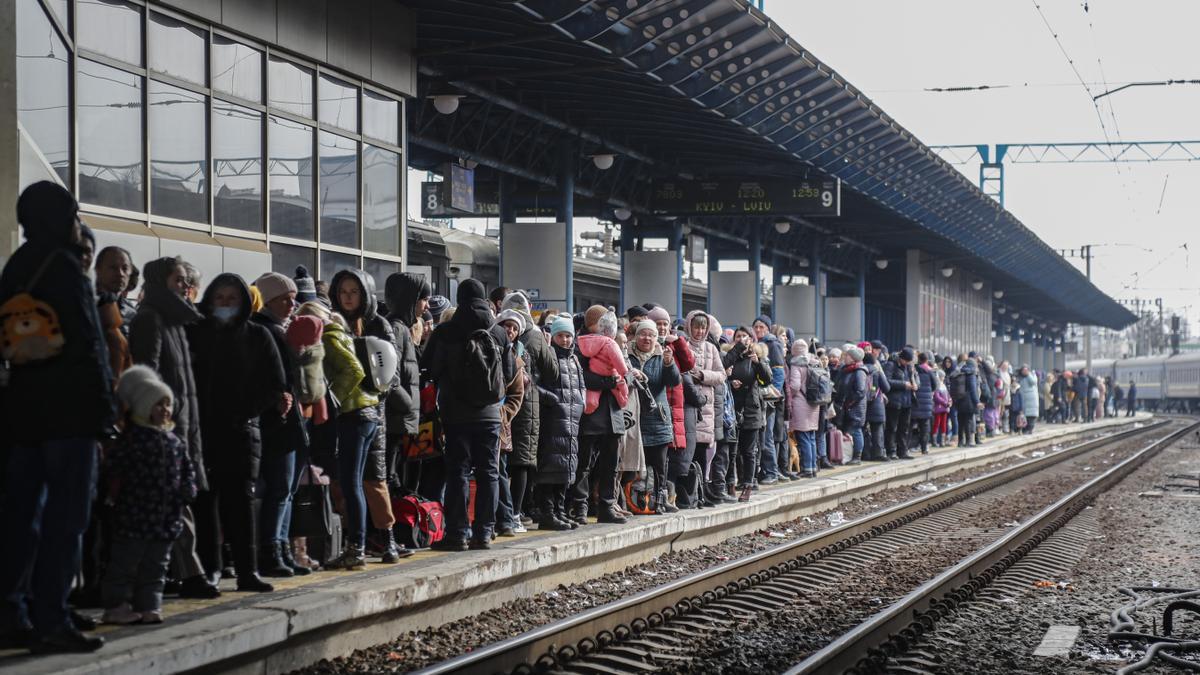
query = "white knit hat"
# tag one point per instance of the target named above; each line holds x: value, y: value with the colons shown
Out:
x: 514, y: 316
x: 140, y: 389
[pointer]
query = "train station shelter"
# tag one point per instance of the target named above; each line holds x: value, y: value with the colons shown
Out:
x: 697, y: 121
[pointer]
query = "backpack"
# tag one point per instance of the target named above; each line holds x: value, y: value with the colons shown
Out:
x: 379, y: 362
x: 640, y: 495
x: 29, y: 328
x: 958, y: 387
x: 477, y: 374
x: 419, y: 522
x: 818, y: 388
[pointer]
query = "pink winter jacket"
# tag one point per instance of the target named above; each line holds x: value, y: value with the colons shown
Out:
x: 802, y: 415
x: 605, y: 359
x: 708, y: 362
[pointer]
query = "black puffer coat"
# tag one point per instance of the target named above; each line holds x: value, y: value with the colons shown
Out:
x: 853, y: 397
x: 282, y: 434
x: 561, y: 401
x: 158, y: 339
x: 239, y: 376
x: 373, y: 325
x: 542, y: 366
x: 923, y: 397
x: 748, y: 397
x: 70, y: 395
x: 404, y: 402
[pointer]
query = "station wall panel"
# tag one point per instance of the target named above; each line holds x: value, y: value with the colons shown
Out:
x: 731, y: 298
x: 795, y: 307
x: 649, y: 276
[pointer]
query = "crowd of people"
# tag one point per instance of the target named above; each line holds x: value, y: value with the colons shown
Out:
x: 157, y: 434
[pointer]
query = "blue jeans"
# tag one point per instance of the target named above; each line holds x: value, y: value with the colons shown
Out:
x: 806, y: 441
x: 47, y: 502
x: 504, y: 502
x: 354, y: 435
x: 766, y: 449
x: 279, y: 481
x: 856, y: 435
x: 472, y: 446
x: 822, y: 450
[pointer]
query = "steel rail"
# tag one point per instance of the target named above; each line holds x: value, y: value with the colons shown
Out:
x: 606, y: 624
x: 866, y: 648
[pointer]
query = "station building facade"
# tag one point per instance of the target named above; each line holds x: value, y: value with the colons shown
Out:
x: 244, y: 135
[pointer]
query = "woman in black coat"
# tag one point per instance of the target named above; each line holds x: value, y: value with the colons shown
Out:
x: 922, y: 410
x: 561, y: 403
x: 239, y: 377
x: 747, y: 371
x: 158, y: 339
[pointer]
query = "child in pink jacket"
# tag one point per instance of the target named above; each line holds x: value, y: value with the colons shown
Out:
x: 604, y: 358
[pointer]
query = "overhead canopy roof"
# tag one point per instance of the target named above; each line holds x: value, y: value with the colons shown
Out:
x: 714, y: 88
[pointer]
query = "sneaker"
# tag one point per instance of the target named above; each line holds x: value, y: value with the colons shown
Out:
x: 122, y: 615
x: 520, y: 528
x: 768, y: 481
x: 350, y: 559
x: 526, y: 520
x: 152, y: 617
x: 506, y: 532
x: 784, y: 478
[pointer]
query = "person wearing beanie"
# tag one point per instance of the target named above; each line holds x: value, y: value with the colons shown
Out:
x: 922, y: 408
x: 58, y: 447
x: 655, y: 364
x: 768, y: 445
x: 558, y: 448
x: 151, y: 481
x: 803, y: 416
x: 306, y: 288
x: 507, y: 519
x: 592, y: 316
x: 604, y: 358
x: 438, y: 304
x: 635, y: 313
x: 878, y: 387
x: 600, y: 433
x: 853, y: 391
x: 902, y: 379
x: 283, y: 436
x: 470, y: 417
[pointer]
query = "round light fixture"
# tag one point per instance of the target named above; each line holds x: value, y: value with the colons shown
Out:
x: 1043, y: 324
x: 1029, y: 321
x: 1001, y: 309
x: 446, y: 104
x: 977, y: 285
x: 947, y: 272
x: 1016, y: 315
x: 782, y: 226
x: 997, y: 294
x: 603, y: 161
x: 622, y: 213
x: 881, y: 263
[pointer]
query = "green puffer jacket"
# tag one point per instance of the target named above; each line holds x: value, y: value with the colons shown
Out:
x: 343, y: 370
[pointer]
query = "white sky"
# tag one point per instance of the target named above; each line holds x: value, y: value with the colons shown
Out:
x: 893, y: 50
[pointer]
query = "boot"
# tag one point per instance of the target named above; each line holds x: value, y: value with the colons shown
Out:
x: 662, y: 499
x: 392, y: 552
x: 270, y: 560
x: 824, y: 463
x: 558, y: 507
x: 350, y: 559
x: 285, y: 553
x: 671, y: 507
x: 548, y: 510
x: 299, y: 549
x: 252, y: 583
x: 857, y: 457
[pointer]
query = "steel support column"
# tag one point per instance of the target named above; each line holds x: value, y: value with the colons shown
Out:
x: 862, y: 296
x: 819, y: 284
x: 677, y: 246
x: 756, y: 267
x: 507, y: 213
x: 566, y: 213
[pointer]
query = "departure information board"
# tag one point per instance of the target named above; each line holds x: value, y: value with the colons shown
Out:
x: 737, y: 197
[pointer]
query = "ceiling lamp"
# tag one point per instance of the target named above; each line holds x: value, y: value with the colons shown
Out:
x: 446, y: 104
x: 977, y: 285
x: 782, y: 226
x: 1001, y: 309
x: 1029, y: 321
x: 1016, y: 315
x: 622, y: 213
x: 603, y: 161
x: 881, y: 263
x: 947, y: 271
x: 997, y: 294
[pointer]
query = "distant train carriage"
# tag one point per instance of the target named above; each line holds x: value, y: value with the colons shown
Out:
x: 1170, y: 383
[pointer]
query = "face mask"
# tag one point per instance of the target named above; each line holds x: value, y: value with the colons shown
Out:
x: 224, y: 314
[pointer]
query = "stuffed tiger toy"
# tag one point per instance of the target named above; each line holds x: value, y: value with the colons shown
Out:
x: 29, y: 330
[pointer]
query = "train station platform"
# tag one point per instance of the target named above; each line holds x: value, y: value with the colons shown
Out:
x: 329, y: 614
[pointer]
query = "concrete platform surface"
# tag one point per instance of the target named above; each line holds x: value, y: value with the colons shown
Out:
x: 329, y: 614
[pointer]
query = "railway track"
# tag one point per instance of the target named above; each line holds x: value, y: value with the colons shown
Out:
x: 673, y: 626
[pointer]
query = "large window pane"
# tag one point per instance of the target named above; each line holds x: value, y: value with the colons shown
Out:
x: 111, y: 170
x: 112, y: 28
x: 381, y: 200
x: 381, y: 117
x: 178, y: 168
x: 290, y: 87
x: 237, y: 167
x: 285, y: 258
x: 43, y: 80
x: 339, y: 190
x: 337, y: 103
x: 177, y: 48
x: 332, y: 263
x: 380, y: 270
x: 236, y: 69
x: 291, y: 178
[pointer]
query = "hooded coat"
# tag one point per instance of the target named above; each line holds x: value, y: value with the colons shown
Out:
x: 542, y: 366
x: 970, y: 401
x: 802, y: 415
x: 899, y: 396
x: 1030, y: 399
x: 719, y: 390
x: 853, y: 396
x: 561, y: 401
x: 658, y: 427
x: 474, y: 313
x: 748, y: 396
x: 712, y: 375
x: 402, y: 292
x: 158, y: 338
x: 69, y: 395
x: 877, y: 392
x: 239, y: 377
x: 923, y: 397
